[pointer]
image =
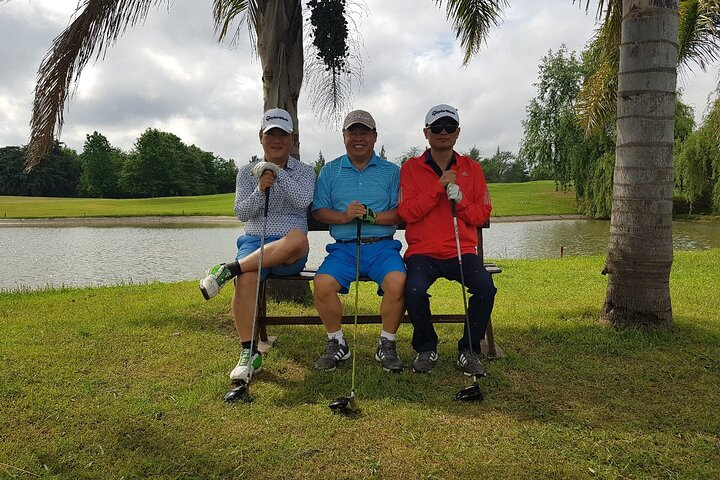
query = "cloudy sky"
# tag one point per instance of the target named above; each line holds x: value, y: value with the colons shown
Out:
x: 171, y: 74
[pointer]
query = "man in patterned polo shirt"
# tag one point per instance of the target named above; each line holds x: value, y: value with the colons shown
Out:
x: 359, y: 185
x: 291, y: 185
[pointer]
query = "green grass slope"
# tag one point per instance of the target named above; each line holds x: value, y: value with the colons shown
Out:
x: 126, y: 382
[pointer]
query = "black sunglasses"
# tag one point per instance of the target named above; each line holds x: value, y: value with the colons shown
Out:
x: 437, y: 129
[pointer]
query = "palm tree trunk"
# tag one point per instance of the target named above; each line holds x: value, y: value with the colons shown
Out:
x: 280, y: 47
x: 640, y: 247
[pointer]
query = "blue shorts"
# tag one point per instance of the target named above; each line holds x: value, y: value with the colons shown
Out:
x: 376, y: 260
x: 247, y: 244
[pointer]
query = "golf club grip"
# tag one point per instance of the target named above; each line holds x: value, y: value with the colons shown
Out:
x: 359, y: 230
x: 452, y: 207
x: 267, y: 201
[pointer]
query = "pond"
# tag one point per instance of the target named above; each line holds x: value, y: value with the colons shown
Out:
x: 39, y: 257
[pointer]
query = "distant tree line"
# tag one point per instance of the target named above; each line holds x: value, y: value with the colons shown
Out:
x: 502, y: 167
x: 556, y: 147
x: 159, y: 165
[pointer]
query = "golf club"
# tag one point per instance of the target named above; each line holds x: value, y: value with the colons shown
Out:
x: 348, y: 405
x: 472, y: 392
x: 241, y: 390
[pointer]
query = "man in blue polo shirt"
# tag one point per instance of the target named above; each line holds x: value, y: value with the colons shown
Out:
x: 359, y: 185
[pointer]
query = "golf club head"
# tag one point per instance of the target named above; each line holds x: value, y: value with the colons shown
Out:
x: 241, y: 392
x: 345, y: 406
x: 473, y: 393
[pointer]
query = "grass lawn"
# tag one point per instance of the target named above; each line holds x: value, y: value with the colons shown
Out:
x: 509, y: 199
x: 126, y: 382
x: 52, y: 207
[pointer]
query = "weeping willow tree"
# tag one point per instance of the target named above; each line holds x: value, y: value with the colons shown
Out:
x: 697, y: 166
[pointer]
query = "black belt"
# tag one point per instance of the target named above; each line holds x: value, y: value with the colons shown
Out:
x: 366, y: 240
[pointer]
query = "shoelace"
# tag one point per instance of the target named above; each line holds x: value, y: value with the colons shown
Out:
x: 333, y: 347
x: 471, y: 358
x: 389, y: 349
x: 244, y: 357
x: 425, y: 357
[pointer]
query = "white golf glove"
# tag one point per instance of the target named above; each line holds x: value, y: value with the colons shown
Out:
x: 454, y: 193
x: 262, y: 167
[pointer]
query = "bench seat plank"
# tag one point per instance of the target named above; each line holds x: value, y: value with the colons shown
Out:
x: 308, y: 274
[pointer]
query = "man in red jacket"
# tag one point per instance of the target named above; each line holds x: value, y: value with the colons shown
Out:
x: 428, y: 185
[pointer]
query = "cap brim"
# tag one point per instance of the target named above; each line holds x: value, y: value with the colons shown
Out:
x: 440, y: 118
x: 372, y: 127
x: 270, y: 127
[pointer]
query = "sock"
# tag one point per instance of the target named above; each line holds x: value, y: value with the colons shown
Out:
x: 247, y: 345
x: 234, y: 268
x: 389, y: 336
x: 337, y: 336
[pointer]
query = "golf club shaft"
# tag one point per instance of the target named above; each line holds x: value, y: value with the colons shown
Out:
x: 259, y: 276
x: 462, y: 274
x: 357, y: 282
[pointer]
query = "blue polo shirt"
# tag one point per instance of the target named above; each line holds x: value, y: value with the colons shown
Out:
x: 376, y: 186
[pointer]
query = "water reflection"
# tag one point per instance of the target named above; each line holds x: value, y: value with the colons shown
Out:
x: 50, y: 256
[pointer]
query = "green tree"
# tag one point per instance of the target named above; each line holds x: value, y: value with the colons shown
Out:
x: 504, y: 167
x: 155, y: 168
x: 225, y: 175
x: 382, y: 153
x: 319, y: 163
x: 474, y: 153
x: 101, y: 166
x: 57, y: 174
x: 409, y: 153
x: 697, y: 168
x: 552, y: 137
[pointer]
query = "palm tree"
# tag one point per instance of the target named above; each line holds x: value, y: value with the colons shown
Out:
x: 634, y: 82
x: 640, y: 251
x: 276, y: 31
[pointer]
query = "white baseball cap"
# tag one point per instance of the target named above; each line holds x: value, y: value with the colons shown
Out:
x: 440, y: 111
x: 276, y: 118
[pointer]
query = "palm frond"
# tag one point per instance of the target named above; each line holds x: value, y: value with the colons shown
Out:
x: 602, y: 13
x: 472, y: 20
x: 596, y: 105
x: 98, y: 25
x: 226, y: 11
x: 699, y: 32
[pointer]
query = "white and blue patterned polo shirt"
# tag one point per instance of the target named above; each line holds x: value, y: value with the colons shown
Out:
x: 289, y: 198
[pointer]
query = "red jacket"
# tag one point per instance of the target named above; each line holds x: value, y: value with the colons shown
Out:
x: 426, y: 209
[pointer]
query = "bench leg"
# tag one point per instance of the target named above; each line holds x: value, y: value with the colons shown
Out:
x: 490, y: 338
x: 262, y: 314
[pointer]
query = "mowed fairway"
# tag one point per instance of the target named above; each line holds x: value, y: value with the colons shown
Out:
x: 126, y: 382
x: 509, y: 199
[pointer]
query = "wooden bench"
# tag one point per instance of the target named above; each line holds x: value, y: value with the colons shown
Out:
x: 489, y: 348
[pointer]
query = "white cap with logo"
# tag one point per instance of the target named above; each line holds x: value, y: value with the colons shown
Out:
x: 276, y: 118
x: 440, y: 111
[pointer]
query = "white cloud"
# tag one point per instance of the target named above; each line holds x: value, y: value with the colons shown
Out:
x: 170, y: 73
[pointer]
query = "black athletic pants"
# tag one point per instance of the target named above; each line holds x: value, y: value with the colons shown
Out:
x: 422, y: 271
